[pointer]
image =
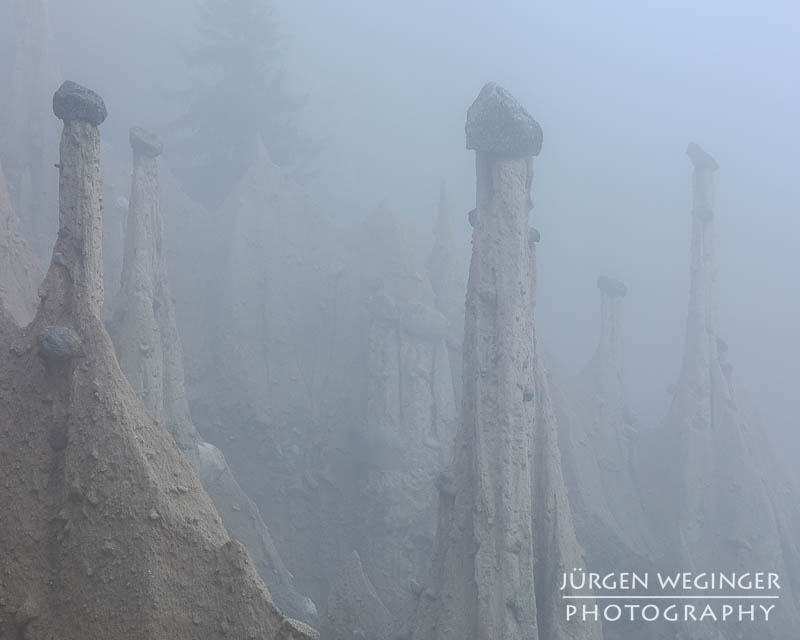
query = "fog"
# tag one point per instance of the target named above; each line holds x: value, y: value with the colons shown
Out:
x: 307, y: 363
x: 619, y: 89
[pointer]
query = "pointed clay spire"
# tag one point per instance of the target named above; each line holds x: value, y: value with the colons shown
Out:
x: 700, y: 350
x: 74, y: 282
x: 722, y: 508
x: 143, y: 326
x: 482, y: 583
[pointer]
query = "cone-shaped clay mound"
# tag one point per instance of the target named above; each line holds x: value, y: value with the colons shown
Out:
x: 717, y: 509
x: 502, y: 492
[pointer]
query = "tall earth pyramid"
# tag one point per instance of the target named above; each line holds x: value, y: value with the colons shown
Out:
x: 598, y: 435
x: 482, y: 585
x: 150, y: 353
x: 106, y: 531
x: 143, y: 323
x: 720, y: 511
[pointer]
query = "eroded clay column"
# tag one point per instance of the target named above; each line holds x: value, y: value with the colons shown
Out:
x: 74, y: 282
x: 482, y: 586
x: 137, y: 335
x: 143, y: 323
x: 700, y: 345
x: 498, y: 365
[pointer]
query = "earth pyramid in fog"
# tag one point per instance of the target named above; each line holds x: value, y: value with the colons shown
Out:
x: 150, y: 353
x: 19, y: 269
x: 482, y: 584
x: 599, y: 435
x: 144, y: 331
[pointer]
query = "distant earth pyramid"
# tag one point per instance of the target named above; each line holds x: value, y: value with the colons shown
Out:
x: 717, y: 508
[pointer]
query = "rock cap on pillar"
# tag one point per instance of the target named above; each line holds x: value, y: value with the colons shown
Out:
x: 498, y: 123
x: 146, y: 143
x: 611, y: 287
x: 75, y: 102
x: 701, y: 159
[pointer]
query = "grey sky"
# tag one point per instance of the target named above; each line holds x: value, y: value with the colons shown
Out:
x: 619, y: 88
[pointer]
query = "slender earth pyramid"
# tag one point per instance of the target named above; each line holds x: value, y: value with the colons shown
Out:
x: 703, y: 412
x: 106, y: 531
x: 598, y: 438
x: 143, y: 326
x: 482, y: 584
x: 150, y: 353
x: 723, y: 512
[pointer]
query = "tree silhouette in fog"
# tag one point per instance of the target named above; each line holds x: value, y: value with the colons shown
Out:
x: 237, y: 91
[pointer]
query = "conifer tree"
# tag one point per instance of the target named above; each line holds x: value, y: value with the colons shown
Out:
x: 237, y: 92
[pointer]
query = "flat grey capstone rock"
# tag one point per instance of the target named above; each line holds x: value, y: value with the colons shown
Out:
x: 612, y: 287
x: 498, y: 123
x: 701, y: 159
x: 75, y: 102
x: 146, y: 143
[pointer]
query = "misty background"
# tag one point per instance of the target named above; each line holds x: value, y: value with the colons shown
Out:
x: 619, y: 88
